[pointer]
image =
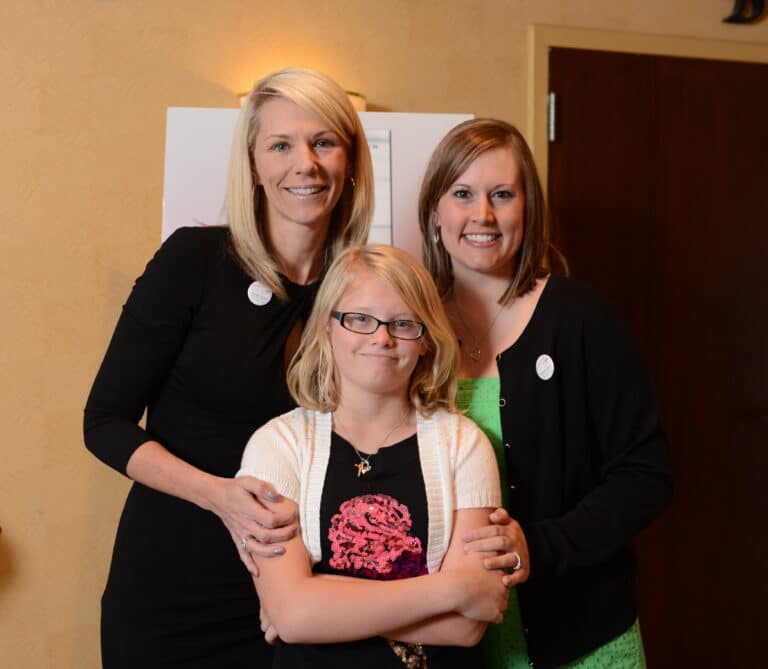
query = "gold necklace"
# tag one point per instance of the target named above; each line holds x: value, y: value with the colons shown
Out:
x: 364, y: 464
x: 475, y: 354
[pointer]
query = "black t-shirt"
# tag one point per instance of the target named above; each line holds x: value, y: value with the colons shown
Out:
x: 372, y: 526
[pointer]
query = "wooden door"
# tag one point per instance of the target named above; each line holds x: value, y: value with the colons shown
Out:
x: 658, y: 182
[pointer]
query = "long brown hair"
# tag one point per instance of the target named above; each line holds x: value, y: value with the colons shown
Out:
x: 452, y: 157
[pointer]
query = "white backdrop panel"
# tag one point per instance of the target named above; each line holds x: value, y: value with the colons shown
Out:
x: 197, y: 149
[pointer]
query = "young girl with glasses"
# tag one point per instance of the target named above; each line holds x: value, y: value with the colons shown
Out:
x: 386, y: 476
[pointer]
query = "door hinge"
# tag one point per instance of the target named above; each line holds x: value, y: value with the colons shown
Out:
x: 551, y: 117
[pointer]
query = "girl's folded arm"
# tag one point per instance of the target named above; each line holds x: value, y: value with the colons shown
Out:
x: 451, y: 629
x: 307, y: 609
x: 304, y: 608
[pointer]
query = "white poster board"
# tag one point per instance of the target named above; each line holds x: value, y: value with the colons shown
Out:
x: 380, y: 146
x: 198, y: 142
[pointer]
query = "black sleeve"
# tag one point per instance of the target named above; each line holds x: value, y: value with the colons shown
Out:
x: 625, y: 436
x: 144, y: 346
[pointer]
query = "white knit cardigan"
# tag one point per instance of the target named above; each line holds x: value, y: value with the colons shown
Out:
x: 457, y: 462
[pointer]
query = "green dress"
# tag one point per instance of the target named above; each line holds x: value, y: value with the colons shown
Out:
x: 504, y: 644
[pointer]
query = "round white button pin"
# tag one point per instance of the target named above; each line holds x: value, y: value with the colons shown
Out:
x: 545, y: 367
x: 259, y: 294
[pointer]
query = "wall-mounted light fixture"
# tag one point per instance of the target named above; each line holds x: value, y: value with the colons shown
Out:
x: 358, y: 100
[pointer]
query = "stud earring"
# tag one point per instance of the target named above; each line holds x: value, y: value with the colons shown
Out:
x: 436, y: 235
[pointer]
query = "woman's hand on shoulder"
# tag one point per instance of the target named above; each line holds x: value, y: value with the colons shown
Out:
x: 256, y: 516
x: 504, y: 537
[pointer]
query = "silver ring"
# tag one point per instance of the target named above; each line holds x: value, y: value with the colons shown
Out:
x: 519, y: 564
x: 244, y: 542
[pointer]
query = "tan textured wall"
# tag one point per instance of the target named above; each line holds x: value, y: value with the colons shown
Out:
x: 84, y: 89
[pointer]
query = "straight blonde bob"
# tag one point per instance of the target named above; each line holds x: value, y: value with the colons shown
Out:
x: 350, y: 219
x: 452, y: 157
x: 313, y: 379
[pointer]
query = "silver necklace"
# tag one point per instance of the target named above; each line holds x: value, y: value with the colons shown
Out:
x: 475, y: 353
x: 364, y: 464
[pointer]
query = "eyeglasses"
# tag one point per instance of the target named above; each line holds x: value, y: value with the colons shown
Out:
x: 365, y: 324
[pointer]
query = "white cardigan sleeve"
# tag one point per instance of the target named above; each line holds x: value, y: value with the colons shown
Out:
x: 476, y: 474
x: 273, y: 454
x: 460, y: 472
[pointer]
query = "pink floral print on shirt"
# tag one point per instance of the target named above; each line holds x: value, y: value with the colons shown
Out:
x: 370, y: 539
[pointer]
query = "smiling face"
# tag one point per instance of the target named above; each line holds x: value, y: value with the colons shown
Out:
x: 300, y: 163
x: 481, y: 216
x: 375, y: 363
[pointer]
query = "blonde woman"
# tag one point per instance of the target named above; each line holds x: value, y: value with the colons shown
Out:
x: 563, y: 392
x: 387, y: 477
x: 202, y: 345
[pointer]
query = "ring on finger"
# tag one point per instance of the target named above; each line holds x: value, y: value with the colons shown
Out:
x: 243, y: 542
x: 518, y: 565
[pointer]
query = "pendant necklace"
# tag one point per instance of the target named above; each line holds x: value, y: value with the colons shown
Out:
x: 475, y: 353
x: 364, y: 464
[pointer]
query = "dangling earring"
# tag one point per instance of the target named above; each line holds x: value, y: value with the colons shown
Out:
x: 352, y: 181
x: 436, y: 235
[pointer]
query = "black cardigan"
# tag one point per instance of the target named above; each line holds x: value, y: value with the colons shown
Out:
x: 587, y: 469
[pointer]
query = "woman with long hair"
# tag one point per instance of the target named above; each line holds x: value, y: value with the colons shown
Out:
x: 561, y: 389
x: 202, y: 345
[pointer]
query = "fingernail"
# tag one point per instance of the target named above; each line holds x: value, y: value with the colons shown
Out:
x: 295, y: 531
x: 273, y: 496
x: 278, y: 551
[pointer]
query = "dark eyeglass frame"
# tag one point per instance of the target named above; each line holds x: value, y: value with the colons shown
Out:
x: 341, y: 315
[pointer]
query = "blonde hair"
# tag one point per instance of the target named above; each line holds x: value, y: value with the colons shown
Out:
x: 350, y: 219
x: 312, y: 376
x: 452, y: 157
